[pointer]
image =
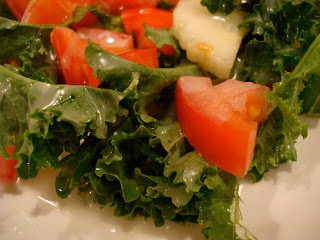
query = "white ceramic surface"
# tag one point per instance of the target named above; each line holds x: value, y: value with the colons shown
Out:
x: 283, y: 206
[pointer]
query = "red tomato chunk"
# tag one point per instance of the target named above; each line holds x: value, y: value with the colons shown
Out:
x: 70, y: 49
x: 146, y: 57
x: 8, y: 171
x: 41, y: 11
x: 111, y: 41
x: 117, y: 6
x: 134, y: 19
x: 221, y: 121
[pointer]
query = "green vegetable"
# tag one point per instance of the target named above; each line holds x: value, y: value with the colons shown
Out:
x: 224, y: 6
x: 30, y: 109
x: 290, y: 98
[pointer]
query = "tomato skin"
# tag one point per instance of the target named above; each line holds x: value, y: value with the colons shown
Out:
x: 70, y: 50
x: 91, y: 80
x: 17, y: 7
x: 40, y: 11
x: 218, y: 126
x: 146, y: 57
x: 117, y: 6
x: 8, y: 171
x: 111, y: 41
x: 133, y: 20
x: 168, y: 50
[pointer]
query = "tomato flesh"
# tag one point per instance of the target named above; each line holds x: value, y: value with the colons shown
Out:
x: 221, y: 121
x: 52, y: 12
x: 8, y: 171
x: 117, y: 6
x: 70, y: 49
x: 17, y: 7
x: 40, y: 11
x: 146, y: 57
x: 133, y: 20
x: 111, y: 41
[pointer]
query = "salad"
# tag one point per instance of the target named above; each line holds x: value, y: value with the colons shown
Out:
x: 105, y: 113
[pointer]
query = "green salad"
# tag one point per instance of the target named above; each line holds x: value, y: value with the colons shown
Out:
x: 108, y: 142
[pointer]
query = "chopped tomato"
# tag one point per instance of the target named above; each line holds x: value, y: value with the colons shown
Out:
x: 111, y: 41
x: 133, y: 20
x: 168, y: 50
x: 117, y: 6
x: 70, y: 50
x: 221, y: 121
x: 17, y: 7
x: 14, y: 62
x: 146, y: 57
x: 41, y: 11
x: 52, y: 11
x: 91, y: 80
x: 8, y: 172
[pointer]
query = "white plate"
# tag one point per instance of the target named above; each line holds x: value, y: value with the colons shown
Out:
x: 283, y: 206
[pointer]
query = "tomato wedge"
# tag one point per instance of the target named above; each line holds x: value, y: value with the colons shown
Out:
x: 8, y: 171
x: 17, y: 7
x: 70, y: 49
x: 52, y: 11
x: 221, y: 121
x: 133, y: 20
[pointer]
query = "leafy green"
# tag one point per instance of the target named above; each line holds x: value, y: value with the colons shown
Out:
x: 108, y: 21
x: 33, y: 112
x: 311, y: 95
x: 127, y: 158
x: 74, y: 166
x: 121, y: 143
x: 16, y: 37
x: 276, y: 138
x: 119, y: 73
x: 309, y: 68
x: 38, y: 63
x: 224, y: 6
x: 282, y: 33
x: 166, y: 4
x: 161, y: 38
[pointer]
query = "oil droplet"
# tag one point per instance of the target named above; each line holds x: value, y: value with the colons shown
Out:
x: 253, y: 113
x: 204, y: 48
